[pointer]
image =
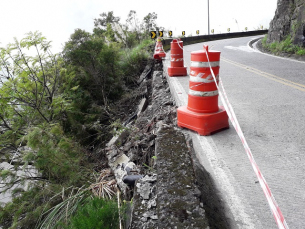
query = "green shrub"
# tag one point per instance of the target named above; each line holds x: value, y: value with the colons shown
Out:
x: 24, y: 210
x: 264, y: 40
x: 96, y: 213
x: 134, y: 60
x: 95, y: 63
x: 300, y: 51
x: 285, y: 46
x: 274, y: 46
x: 131, y: 39
x: 57, y: 157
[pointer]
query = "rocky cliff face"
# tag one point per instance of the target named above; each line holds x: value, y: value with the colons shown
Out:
x: 289, y: 19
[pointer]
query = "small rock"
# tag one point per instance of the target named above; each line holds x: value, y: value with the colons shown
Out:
x: 144, y: 190
x: 123, y: 159
x: 154, y: 217
x: 150, y: 179
x: 151, y: 203
x: 144, y: 219
x: 127, y: 146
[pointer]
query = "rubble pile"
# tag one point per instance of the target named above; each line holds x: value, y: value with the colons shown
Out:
x: 152, y: 163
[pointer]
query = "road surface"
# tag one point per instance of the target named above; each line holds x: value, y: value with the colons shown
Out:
x: 268, y: 97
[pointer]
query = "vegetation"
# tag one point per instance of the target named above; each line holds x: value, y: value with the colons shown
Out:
x: 96, y: 213
x: 55, y: 111
x: 285, y: 46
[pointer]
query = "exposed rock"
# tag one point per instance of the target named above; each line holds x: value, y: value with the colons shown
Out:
x: 297, y: 25
x: 289, y: 19
x: 119, y: 138
x: 144, y: 189
x: 167, y: 196
x: 146, y: 71
x: 142, y: 106
x: 118, y: 162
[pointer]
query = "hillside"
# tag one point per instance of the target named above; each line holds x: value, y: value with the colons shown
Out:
x: 289, y: 19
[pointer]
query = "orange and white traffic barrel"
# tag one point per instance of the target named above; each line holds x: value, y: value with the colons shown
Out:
x: 177, y: 63
x: 159, y: 52
x: 202, y: 113
x: 203, y: 93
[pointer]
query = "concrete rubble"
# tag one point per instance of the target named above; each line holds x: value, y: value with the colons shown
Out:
x: 154, y: 154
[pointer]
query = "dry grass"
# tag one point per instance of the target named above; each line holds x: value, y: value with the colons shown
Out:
x: 106, y: 186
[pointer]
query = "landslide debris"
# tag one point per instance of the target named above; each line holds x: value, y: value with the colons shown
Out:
x: 154, y: 152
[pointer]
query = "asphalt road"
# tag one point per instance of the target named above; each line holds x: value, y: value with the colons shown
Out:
x: 268, y: 97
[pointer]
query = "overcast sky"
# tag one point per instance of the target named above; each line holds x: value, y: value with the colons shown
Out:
x: 57, y: 19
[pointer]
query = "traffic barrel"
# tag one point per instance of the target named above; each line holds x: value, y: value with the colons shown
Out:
x: 159, y: 52
x: 202, y: 113
x: 203, y: 93
x: 177, y: 64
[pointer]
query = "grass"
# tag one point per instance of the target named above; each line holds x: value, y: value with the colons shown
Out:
x: 96, y: 213
x: 285, y: 46
x: 91, y: 207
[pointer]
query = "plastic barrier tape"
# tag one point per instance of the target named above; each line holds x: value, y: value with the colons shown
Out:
x: 279, y: 218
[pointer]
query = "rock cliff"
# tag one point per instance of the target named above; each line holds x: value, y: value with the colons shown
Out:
x: 289, y: 19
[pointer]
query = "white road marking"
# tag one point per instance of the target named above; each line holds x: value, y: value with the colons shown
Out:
x: 240, y: 48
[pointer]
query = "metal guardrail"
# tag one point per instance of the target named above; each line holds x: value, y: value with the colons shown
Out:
x: 201, y: 38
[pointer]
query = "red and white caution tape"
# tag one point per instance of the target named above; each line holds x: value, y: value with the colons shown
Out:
x: 279, y: 218
x: 179, y: 45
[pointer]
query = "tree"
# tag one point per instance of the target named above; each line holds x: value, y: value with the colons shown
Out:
x: 28, y: 94
x: 33, y: 108
x: 133, y: 29
x: 100, y: 24
x: 31, y: 98
x: 132, y: 20
x: 150, y: 21
x: 105, y: 19
x: 54, y: 111
x: 97, y: 63
x: 110, y: 34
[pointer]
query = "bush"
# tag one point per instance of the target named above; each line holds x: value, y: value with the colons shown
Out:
x: 58, y: 158
x: 96, y: 213
x: 134, y: 60
x: 285, y: 46
x: 300, y: 51
x: 55, y: 111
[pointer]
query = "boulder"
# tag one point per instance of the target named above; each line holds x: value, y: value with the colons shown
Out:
x: 289, y: 19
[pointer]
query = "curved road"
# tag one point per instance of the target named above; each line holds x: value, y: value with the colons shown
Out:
x: 268, y: 96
